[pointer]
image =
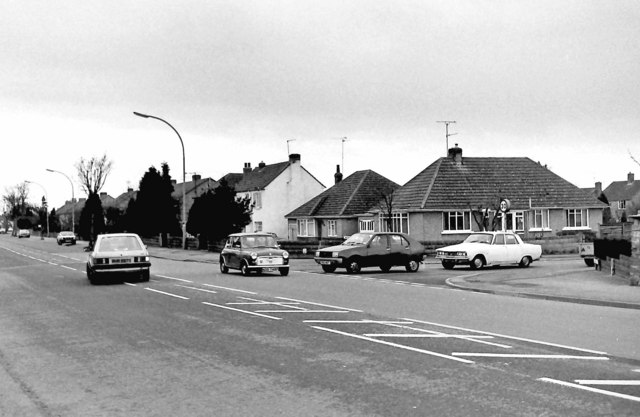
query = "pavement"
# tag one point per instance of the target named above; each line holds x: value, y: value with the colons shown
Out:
x: 577, y: 283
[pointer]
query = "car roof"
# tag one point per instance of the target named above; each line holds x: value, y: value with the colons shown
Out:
x: 252, y: 234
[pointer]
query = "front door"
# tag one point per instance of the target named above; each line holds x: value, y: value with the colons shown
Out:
x: 378, y: 251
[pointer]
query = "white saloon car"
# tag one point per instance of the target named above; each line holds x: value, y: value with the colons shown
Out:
x: 488, y: 249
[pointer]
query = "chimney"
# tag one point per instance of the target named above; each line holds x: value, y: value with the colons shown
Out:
x: 630, y: 178
x: 102, y: 195
x: 338, y: 174
x: 294, y: 157
x: 195, y: 177
x: 262, y: 165
x: 598, y: 188
x: 455, y: 154
x: 247, y: 168
x: 174, y: 182
x: 129, y: 189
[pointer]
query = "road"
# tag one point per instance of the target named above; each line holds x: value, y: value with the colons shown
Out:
x: 196, y: 342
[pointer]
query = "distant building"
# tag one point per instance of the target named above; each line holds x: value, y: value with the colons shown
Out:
x: 623, y: 198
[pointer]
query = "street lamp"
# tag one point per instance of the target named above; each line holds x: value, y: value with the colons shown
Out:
x: 45, y: 202
x: 184, y: 185
x: 73, y: 200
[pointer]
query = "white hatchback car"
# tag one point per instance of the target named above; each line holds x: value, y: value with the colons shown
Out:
x: 118, y: 254
x: 489, y: 248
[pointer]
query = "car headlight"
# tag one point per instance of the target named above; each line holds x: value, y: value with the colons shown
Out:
x: 334, y: 254
x: 285, y: 254
x: 461, y: 254
x: 254, y: 256
x: 317, y: 254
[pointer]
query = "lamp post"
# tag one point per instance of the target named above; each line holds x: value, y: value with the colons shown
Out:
x: 45, y: 202
x: 73, y: 200
x: 184, y: 185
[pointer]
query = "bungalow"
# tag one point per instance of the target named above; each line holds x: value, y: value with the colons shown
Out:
x: 275, y: 190
x: 342, y: 209
x: 455, y: 196
x: 624, y: 198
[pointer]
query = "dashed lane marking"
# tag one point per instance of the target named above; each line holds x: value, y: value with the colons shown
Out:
x: 176, y: 279
x: 320, y: 304
x: 241, y: 311
x: 528, y: 356
x: 608, y: 382
x: 166, y: 293
x: 231, y: 289
x: 197, y: 289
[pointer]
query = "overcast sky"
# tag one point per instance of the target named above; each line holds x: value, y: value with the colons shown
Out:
x: 555, y: 81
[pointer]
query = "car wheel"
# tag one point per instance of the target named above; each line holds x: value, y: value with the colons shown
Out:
x: 589, y: 261
x: 385, y: 268
x: 284, y: 271
x: 525, y: 262
x: 477, y: 262
x: 91, y: 276
x: 353, y: 266
x: 448, y: 264
x: 144, y: 277
x: 223, y: 267
x: 244, y: 269
x: 59, y: 243
x: 329, y: 268
x: 412, y: 266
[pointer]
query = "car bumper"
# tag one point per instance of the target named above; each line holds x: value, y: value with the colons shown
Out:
x: 329, y: 261
x: 121, y: 269
x: 458, y: 260
x: 72, y: 241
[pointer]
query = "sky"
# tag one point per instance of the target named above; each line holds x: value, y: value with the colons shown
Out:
x: 252, y: 81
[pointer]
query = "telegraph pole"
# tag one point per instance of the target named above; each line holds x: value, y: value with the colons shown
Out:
x: 447, y: 134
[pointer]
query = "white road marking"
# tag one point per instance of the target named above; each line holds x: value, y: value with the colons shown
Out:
x: 596, y: 390
x: 418, y: 336
x: 470, y: 338
x: 512, y: 337
x: 68, y: 267
x: 197, y: 289
x: 166, y: 293
x: 319, y: 304
x: 176, y: 279
x: 241, y: 311
x: 302, y: 311
x: 52, y: 263
x: 130, y: 284
x: 529, y: 356
x: 356, y: 322
x: 383, y: 342
x: 607, y: 382
x: 231, y: 289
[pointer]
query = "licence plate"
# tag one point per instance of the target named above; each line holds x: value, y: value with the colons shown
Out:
x: 325, y: 262
x: 121, y: 260
x: 269, y: 269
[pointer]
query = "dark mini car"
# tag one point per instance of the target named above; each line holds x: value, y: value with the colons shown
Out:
x: 118, y: 255
x: 257, y: 252
x: 383, y: 250
x: 66, y: 237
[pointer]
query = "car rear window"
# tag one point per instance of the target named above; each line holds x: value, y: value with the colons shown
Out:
x: 119, y: 243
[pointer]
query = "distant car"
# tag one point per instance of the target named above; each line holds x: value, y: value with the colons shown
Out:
x: 383, y: 250
x: 3, y: 230
x: 489, y: 248
x: 24, y: 233
x: 118, y: 254
x: 66, y: 237
x: 257, y: 252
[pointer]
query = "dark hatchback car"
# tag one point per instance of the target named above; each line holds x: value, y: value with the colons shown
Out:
x: 257, y: 252
x: 383, y: 250
x: 118, y: 255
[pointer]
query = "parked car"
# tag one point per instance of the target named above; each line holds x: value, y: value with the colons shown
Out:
x: 489, y: 248
x: 24, y: 233
x: 3, y: 230
x: 258, y: 252
x: 66, y: 237
x: 381, y: 249
x: 118, y: 254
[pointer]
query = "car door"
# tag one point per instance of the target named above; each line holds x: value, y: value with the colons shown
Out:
x: 377, y: 251
x: 400, y: 250
x: 233, y: 252
x: 513, y: 249
x: 498, y: 252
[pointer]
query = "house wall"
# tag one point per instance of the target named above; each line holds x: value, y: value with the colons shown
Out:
x: 294, y: 187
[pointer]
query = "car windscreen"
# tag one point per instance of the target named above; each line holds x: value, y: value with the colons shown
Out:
x: 259, y: 242
x: 479, y: 238
x: 118, y: 244
x: 357, y: 239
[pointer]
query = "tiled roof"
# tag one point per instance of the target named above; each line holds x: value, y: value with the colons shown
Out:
x: 622, y: 190
x: 232, y: 179
x: 354, y: 195
x: 482, y: 182
x: 260, y: 177
x: 190, y: 186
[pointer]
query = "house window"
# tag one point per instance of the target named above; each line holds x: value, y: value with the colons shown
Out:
x: 257, y: 226
x: 366, y: 225
x: 399, y: 223
x: 577, y: 218
x: 515, y: 221
x: 540, y: 220
x: 256, y: 198
x: 622, y: 204
x: 306, y: 227
x: 332, y: 226
x: 456, y: 221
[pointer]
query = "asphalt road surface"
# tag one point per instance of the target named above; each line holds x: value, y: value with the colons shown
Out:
x: 195, y: 342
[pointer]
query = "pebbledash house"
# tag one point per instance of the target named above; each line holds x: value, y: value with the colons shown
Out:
x: 456, y: 195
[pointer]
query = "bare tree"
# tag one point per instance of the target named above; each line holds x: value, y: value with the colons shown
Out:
x: 93, y: 173
x: 15, y: 199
